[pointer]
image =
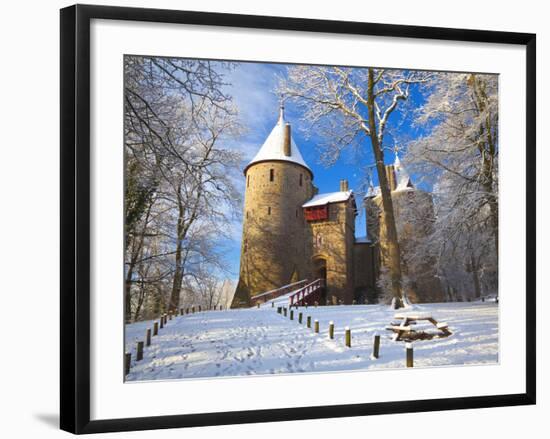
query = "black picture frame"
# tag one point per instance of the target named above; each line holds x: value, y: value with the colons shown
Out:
x: 75, y: 217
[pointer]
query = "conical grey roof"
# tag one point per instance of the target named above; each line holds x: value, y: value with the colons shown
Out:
x: 273, y: 147
x: 401, y: 175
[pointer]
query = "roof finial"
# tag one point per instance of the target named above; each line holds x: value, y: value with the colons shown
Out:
x: 397, y: 162
x: 281, y: 109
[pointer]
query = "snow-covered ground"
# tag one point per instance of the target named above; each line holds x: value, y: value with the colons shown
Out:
x: 260, y: 341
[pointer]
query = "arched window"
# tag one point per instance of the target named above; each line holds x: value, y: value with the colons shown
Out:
x: 269, y: 210
x: 271, y: 174
x: 248, y: 181
x: 318, y: 240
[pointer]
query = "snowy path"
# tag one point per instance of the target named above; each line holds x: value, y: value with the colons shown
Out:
x: 260, y: 341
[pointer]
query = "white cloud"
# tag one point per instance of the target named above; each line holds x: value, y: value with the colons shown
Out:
x: 252, y: 87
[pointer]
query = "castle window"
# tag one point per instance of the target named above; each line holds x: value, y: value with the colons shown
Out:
x: 271, y: 174
x: 269, y: 210
x: 247, y: 213
x: 248, y: 181
x: 301, y: 179
x: 319, y: 240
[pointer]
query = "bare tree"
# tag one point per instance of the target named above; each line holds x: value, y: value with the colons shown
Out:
x: 347, y: 106
x: 180, y: 193
x: 459, y: 156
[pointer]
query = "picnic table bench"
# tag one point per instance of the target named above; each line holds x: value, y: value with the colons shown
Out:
x: 407, y: 320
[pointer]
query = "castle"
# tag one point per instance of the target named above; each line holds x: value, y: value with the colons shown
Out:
x: 292, y: 233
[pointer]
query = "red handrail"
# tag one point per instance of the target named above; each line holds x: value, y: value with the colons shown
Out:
x: 273, y: 294
x: 298, y: 298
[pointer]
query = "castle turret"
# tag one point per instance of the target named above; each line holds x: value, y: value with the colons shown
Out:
x: 413, y: 211
x: 273, y: 249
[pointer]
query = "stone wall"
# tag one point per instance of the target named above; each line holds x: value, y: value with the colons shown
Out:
x: 333, y: 242
x: 366, y: 267
x: 413, y: 210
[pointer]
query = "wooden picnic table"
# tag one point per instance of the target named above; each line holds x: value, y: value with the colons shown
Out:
x: 410, y: 319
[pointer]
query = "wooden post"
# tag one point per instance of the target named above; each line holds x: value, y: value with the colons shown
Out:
x: 258, y: 305
x: 316, y: 303
x: 316, y: 326
x: 181, y: 311
x: 170, y: 315
x: 291, y: 314
x: 148, y: 337
x: 161, y: 322
x: 279, y: 310
x: 200, y: 308
x: 309, y: 321
x: 348, y: 337
x: 284, y: 311
x: 156, y: 328
x: 272, y: 304
x: 300, y: 318
x: 139, y: 353
x: 192, y: 310
x: 409, y: 353
x: 306, y: 305
x: 354, y: 302
x: 127, y: 361
x: 331, y: 330
x: 376, y: 346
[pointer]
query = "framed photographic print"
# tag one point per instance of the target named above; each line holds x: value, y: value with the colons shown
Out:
x: 284, y: 218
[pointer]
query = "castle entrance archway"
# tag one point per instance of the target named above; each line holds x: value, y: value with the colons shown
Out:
x: 320, y: 272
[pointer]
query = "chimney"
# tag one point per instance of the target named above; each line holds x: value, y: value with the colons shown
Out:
x: 344, y: 186
x: 287, y: 143
x: 390, y: 175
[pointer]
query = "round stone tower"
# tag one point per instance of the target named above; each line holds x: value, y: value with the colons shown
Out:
x: 274, y: 247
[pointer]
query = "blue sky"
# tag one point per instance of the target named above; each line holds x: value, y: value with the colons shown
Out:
x: 252, y: 86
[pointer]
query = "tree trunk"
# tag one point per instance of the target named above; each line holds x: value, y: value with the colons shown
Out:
x: 181, y: 233
x: 157, y: 304
x: 394, y: 257
x: 140, y: 301
x: 475, y: 277
x: 128, y: 292
x: 487, y: 150
x: 136, y: 254
x: 178, y: 273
